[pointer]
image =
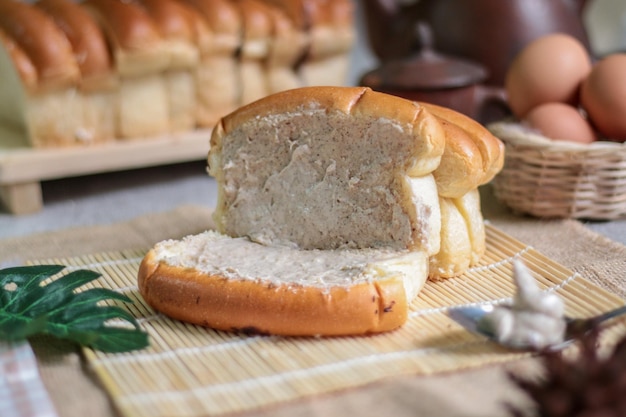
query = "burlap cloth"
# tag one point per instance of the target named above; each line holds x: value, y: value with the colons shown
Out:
x: 480, y: 392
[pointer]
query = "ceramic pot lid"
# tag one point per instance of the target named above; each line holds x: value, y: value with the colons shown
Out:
x: 426, y: 70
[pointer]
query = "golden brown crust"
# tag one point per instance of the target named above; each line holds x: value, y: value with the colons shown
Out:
x: 87, y: 40
x: 127, y: 24
x: 176, y: 25
x: 22, y: 63
x: 172, y: 19
x: 255, y: 18
x: 43, y: 42
x: 461, y: 167
x: 221, y: 15
x: 133, y: 36
x: 491, y: 148
x: 295, y: 10
x: 288, y: 43
x: 327, y: 23
x: 356, y: 101
x: 258, y: 307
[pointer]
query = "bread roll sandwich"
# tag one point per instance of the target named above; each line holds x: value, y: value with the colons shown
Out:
x: 329, y: 217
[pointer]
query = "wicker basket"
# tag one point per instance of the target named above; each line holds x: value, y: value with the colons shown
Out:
x: 559, y: 179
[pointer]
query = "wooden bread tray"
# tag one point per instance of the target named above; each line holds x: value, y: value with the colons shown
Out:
x: 22, y: 169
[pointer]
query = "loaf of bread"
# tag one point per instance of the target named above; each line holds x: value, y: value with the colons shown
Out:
x: 176, y: 24
x: 329, y: 29
x: 141, y: 58
x: 332, y: 212
x: 342, y: 160
x: 98, y: 80
x: 287, y: 48
x: 218, y: 77
x: 234, y: 284
x: 255, y: 45
x: 102, y: 70
x: 47, y: 107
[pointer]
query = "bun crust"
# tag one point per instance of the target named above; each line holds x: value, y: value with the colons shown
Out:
x: 461, y: 167
x: 87, y: 40
x: 134, y: 38
x: 23, y: 64
x: 490, y: 148
x: 43, y: 42
x: 287, y: 308
x: 354, y: 101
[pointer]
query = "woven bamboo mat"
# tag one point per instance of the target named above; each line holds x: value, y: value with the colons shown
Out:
x: 190, y: 371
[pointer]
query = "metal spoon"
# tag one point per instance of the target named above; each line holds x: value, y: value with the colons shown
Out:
x: 472, y: 318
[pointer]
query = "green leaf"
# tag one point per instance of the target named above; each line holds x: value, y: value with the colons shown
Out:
x: 33, y: 301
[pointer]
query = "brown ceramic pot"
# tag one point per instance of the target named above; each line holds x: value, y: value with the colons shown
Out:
x: 490, y: 32
x: 437, y: 78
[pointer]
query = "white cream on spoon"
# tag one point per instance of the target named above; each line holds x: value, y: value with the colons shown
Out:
x: 535, y: 318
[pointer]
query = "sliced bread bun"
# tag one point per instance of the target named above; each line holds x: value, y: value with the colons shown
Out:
x: 335, y: 204
x: 234, y: 284
x: 326, y: 168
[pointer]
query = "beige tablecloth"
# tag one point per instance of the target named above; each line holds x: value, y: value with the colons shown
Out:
x: 479, y: 392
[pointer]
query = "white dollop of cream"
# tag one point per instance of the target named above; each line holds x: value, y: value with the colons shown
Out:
x: 535, y: 318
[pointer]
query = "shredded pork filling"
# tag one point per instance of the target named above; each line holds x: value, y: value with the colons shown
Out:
x: 212, y: 253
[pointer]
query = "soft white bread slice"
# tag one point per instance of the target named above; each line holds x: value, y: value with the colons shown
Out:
x: 328, y: 167
x: 234, y: 284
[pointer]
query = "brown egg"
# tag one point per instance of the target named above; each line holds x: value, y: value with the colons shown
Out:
x: 559, y: 121
x: 603, y: 96
x: 549, y: 69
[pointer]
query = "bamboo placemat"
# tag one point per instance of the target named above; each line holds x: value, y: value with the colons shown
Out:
x: 190, y: 371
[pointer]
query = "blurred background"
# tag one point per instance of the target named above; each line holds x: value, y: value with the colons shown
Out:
x: 457, y: 30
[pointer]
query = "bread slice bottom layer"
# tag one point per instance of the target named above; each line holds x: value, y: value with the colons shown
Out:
x: 235, y: 284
